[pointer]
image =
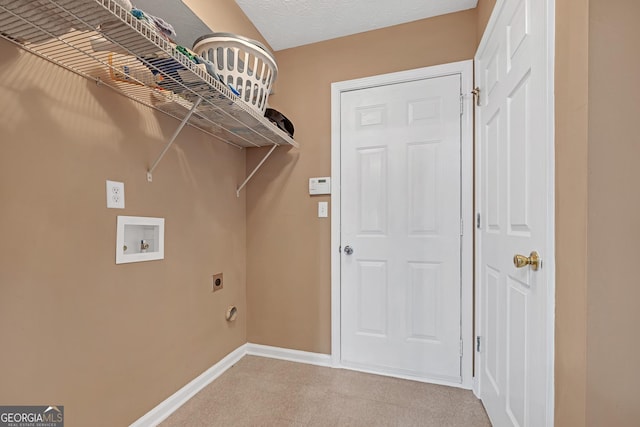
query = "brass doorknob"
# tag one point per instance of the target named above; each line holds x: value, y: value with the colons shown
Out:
x: 533, y: 260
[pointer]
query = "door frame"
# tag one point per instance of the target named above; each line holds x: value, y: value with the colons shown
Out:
x: 549, y: 261
x: 465, y: 70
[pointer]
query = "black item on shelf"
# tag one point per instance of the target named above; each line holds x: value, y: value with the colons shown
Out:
x: 167, y: 66
x: 280, y: 120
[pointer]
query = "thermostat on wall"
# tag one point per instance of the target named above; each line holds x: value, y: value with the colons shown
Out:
x: 320, y: 185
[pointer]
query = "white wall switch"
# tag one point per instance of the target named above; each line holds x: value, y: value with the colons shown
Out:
x: 323, y: 209
x: 115, y: 194
x: 320, y: 186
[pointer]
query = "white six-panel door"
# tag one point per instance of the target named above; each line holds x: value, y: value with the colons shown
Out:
x: 401, y: 220
x: 515, y: 202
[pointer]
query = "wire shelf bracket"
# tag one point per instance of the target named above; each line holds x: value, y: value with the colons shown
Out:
x: 172, y: 140
x: 253, y: 172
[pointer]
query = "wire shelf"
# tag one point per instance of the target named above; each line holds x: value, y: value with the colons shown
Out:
x: 101, y: 41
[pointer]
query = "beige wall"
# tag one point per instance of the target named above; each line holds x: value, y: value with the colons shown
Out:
x: 571, y: 104
x: 80, y: 331
x: 485, y: 7
x: 597, y: 204
x: 109, y: 342
x: 614, y: 211
x: 288, y: 252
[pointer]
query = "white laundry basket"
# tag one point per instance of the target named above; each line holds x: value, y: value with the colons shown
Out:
x: 244, y: 64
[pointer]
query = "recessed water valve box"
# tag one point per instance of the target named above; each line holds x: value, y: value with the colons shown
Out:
x: 139, y: 239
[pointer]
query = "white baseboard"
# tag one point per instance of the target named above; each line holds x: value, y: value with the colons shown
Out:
x: 179, y: 398
x: 289, y: 355
x: 476, y: 387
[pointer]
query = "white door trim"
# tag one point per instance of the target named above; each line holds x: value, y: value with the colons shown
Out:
x: 465, y: 70
x: 550, y: 265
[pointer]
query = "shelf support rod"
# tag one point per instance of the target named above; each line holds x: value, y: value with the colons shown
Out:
x: 255, y: 170
x: 173, y: 138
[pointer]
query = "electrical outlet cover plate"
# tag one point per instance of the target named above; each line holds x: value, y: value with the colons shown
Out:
x: 115, y: 194
x: 216, y: 282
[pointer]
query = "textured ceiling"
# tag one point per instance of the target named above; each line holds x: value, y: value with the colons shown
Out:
x: 291, y: 23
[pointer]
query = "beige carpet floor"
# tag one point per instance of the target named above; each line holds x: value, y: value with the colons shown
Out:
x: 268, y: 392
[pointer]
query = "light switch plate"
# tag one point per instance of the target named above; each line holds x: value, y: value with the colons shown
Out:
x: 323, y: 209
x: 115, y: 194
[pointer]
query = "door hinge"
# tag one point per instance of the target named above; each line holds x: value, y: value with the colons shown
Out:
x: 461, y: 227
x: 461, y: 348
x: 476, y: 95
x: 478, y: 220
x: 461, y: 104
x: 478, y: 340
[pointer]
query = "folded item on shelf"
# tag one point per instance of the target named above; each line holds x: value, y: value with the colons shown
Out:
x: 164, y: 27
x: 186, y: 52
x: 211, y: 69
x: 161, y: 26
x: 140, y: 15
x: 233, y: 89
